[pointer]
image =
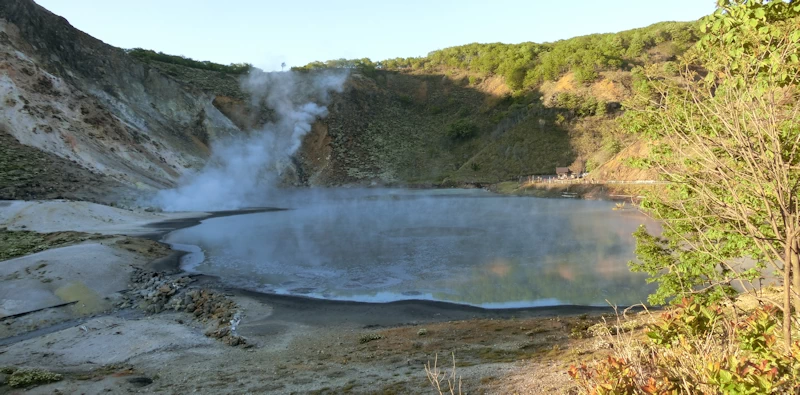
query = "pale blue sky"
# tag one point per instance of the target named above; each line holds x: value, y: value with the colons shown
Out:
x: 265, y: 33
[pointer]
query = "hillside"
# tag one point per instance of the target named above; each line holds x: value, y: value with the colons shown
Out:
x: 457, y: 116
x: 474, y: 114
x: 88, y: 103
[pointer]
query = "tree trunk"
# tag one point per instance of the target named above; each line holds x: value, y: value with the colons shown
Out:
x: 795, y: 259
x: 787, y: 297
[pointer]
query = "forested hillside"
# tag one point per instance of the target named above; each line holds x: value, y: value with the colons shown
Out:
x: 556, y: 104
x: 477, y: 113
x: 529, y: 64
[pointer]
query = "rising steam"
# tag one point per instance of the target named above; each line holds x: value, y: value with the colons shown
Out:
x: 242, y: 169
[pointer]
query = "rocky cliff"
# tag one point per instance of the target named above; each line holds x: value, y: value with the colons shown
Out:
x: 73, y: 96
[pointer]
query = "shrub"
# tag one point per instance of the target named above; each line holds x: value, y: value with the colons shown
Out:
x: 670, y: 68
x: 515, y: 77
x: 612, y: 145
x: 584, y: 74
x: 369, y: 337
x: 579, y: 105
x: 602, y: 108
x: 31, y: 377
x: 462, y: 129
x: 591, y: 165
x: 698, y: 349
x: 405, y: 99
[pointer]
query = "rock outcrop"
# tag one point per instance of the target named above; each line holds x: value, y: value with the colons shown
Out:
x: 69, y: 94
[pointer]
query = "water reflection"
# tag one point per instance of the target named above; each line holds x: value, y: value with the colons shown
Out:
x: 474, y: 248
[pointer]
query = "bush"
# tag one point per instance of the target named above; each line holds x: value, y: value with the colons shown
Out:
x: 670, y: 68
x: 515, y: 77
x: 369, y: 337
x: 602, y: 108
x: 698, y: 349
x: 405, y: 99
x: 612, y: 145
x: 32, y: 377
x: 462, y: 129
x: 579, y: 105
x: 585, y: 74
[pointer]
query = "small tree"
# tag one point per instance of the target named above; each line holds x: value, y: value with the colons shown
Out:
x: 726, y: 135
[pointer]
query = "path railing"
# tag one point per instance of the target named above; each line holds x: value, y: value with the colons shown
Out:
x: 555, y: 180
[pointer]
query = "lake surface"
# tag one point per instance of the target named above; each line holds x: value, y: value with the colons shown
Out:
x: 468, y: 247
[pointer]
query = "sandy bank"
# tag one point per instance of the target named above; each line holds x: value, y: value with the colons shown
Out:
x: 62, y: 215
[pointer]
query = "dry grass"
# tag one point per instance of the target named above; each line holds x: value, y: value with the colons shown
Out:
x: 437, y: 377
x: 71, y: 141
x: 617, y: 169
x: 610, y: 87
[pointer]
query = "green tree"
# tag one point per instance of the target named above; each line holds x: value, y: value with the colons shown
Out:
x: 636, y: 46
x: 515, y: 78
x: 727, y: 137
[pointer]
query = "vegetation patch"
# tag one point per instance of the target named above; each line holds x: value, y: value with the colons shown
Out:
x: 461, y: 130
x: 580, y: 106
x: 27, y: 173
x: 369, y: 337
x: 695, y: 348
x: 147, y: 55
x: 19, y: 243
x: 526, y: 65
x: 724, y: 133
x: 497, y: 355
x: 32, y: 377
x: 216, y: 82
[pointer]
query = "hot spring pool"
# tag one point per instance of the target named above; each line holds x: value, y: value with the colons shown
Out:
x: 468, y: 247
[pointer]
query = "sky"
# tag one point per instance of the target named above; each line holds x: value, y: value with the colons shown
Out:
x: 267, y: 33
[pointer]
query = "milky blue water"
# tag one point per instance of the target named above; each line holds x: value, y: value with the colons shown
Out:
x: 468, y: 247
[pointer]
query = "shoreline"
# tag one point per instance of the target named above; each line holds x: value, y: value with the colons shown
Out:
x: 317, y: 312
x: 171, y: 263
x: 290, y: 305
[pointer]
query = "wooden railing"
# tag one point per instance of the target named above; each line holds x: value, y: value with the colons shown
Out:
x: 555, y: 180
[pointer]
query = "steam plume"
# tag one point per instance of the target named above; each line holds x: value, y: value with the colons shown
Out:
x: 243, y: 168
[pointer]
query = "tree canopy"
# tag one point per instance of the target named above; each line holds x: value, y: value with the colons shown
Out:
x: 528, y: 64
x: 726, y: 135
x: 150, y: 55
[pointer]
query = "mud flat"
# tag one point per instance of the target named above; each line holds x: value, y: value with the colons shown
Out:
x: 138, y: 324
